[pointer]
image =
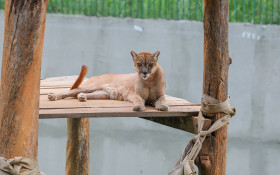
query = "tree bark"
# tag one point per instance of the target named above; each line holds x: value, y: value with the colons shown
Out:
x: 20, y: 77
x: 212, y: 157
x: 77, y: 148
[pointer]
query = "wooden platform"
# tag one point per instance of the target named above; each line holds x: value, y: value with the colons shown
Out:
x: 180, y: 115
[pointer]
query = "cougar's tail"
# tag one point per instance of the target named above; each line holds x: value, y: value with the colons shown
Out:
x: 80, y: 78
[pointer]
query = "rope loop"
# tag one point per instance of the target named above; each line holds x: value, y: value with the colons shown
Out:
x: 212, y: 105
x: 185, y: 165
x: 19, y: 166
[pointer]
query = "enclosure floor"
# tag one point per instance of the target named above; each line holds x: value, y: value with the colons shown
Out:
x: 72, y: 108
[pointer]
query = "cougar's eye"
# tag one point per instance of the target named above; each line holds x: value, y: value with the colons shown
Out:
x: 139, y: 64
x: 151, y: 65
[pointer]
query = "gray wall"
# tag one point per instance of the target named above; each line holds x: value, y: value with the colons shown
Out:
x: 125, y: 146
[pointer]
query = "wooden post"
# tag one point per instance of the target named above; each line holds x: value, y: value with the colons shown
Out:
x: 20, y: 77
x: 77, y: 148
x: 212, y: 157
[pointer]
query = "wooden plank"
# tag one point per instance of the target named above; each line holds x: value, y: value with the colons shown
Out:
x: 48, y: 90
x: 64, y: 81
x: 56, y: 84
x: 74, y: 103
x: 56, y: 87
x: 175, y: 111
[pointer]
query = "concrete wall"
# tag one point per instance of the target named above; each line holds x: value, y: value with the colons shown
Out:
x: 125, y: 146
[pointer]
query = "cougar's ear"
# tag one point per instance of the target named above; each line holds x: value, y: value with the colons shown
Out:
x: 133, y: 54
x: 155, y: 55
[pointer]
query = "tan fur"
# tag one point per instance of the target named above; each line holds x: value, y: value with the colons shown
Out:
x: 146, y: 86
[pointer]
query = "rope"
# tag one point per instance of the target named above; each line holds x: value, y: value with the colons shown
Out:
x: 185, y: 165
x: 19, y: 166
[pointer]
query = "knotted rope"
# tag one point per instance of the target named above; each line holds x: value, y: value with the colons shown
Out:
x: 19, y: 166
x: 185, y: 165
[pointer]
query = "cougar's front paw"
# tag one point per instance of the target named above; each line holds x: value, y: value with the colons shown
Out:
x: 139, y: 108
x: 82, y: 97
x: 52, y: 97
x: 162, y: 107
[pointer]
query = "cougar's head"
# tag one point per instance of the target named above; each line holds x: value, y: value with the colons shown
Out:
x: 145, y: 64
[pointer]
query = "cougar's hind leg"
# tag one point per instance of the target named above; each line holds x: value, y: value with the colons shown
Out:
x: 71, y: 93
x: 97, y: 95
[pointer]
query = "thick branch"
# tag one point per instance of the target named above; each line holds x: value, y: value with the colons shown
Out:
x: 77, y: 148
x: 212, y: 157
x: 20, y: 77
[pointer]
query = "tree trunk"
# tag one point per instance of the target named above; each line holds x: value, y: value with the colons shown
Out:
x: 20, y: 77
x: 77, y: 148
x: 212, y: 157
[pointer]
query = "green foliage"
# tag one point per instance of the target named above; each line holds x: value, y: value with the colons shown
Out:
x: 252, y: 11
